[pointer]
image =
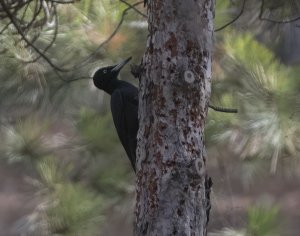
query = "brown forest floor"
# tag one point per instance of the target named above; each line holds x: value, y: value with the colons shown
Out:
x: 229, y: 201
x: 15, y: 197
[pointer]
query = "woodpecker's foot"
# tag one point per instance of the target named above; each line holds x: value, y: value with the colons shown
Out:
x: 136, y: 71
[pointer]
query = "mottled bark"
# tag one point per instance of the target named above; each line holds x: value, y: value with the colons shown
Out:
x: 174, y: 94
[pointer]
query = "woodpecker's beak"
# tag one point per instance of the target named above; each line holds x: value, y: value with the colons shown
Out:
x: 119, y: 66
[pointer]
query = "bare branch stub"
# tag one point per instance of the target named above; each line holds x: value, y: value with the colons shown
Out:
x: 134, y: 8
x: 234, y: 19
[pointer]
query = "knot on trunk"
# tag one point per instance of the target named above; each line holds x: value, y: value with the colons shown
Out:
x: 189, y: 76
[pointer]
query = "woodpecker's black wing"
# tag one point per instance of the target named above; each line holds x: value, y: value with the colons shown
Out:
x: 124, y: 109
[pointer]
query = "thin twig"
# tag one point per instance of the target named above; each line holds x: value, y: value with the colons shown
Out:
x: 134, y: 8
x: 5, y: 27
x: 84, y: 61
x: 274, y: 21
x: 233, y: 20
x: 52, y: 40
x: 28, y: 41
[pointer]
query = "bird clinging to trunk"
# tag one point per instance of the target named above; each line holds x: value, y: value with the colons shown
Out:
x: 123, y: 104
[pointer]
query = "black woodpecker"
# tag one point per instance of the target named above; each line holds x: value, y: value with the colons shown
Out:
x: 123, y: 104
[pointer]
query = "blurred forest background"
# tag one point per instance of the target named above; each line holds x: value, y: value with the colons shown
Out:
x: 62, y: 168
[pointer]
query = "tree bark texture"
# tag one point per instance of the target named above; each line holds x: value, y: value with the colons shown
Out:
x: 173, y: 101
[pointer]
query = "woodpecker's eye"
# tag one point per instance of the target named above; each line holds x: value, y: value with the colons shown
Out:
x: 104, y: 71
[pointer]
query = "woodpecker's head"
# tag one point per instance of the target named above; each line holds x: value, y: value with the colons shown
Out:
x: 104, y: 76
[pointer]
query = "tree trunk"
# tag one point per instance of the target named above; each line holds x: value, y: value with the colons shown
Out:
x: 174, y: 93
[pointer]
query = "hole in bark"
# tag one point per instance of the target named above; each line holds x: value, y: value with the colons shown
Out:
x: 145, y: 228
x: 176, y: 102
x: 198, y: 166
x: 201, y: 75
x: 179, y: 212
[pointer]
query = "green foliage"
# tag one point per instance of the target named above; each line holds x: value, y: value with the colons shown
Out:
x: 251, y: 171
x: 78, y: 178
x: 23, y: 142
x: 50, y: 172
x: 110, y: 179
x: 97, y: 131
x: 244, y: 49
x: 65, y: 208
x: 69, y: 208
x: 222, y: 13
x: 263, y: 221
x: 218, y: 121
x: 74, y: 211
x: 295, y: 83
x: 264, y: 126
x: 102, y: 10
